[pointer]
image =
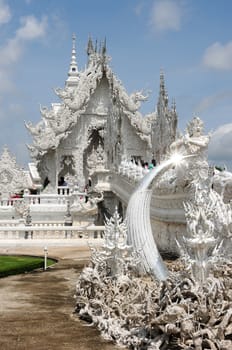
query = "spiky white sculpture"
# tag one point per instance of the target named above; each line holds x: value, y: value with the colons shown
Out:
x: 116, y: 254
x: 200, y: 248
x: 139, y: 313
x: 179, y: 310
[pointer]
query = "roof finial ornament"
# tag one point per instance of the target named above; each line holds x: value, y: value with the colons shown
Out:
x: 163, y: 94
x: 73, y: 69
x: 174, y: 105
x: 73, y: 59
x: 74, y: 41
x: 162, y: 84
x: 100, y: 48
x: 90, y: 49
x: 104, y: 48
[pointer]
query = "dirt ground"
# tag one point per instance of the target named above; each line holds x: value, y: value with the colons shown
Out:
x: 36, y: 309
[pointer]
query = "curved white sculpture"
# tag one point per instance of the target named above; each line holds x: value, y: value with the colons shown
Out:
x: 139, y: 226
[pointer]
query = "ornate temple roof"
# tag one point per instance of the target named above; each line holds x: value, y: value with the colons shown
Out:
x: 58, y: 121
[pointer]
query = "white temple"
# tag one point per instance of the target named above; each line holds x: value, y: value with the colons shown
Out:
x: 97, y: 124
x: 88, y: 153
x: 102, y: 169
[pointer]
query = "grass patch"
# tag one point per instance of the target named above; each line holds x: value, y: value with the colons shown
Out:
x: 15, y: 264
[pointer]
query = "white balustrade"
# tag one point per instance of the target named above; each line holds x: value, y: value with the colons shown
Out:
x: 50, y: 231
x: 64, y: 193
x: 63, y: 190
x: 4, y: 202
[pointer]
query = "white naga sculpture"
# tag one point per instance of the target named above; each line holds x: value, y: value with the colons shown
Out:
x: 139, y: 227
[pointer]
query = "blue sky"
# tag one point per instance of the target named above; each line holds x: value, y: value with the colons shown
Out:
x: 191, y: 40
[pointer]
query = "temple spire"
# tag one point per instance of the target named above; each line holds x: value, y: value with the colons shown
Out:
x: 162, y: 84
x: 174, y: 105
x: 104, y: 48
x: 163, y: 96
x: 90, y: 49
x: 73, y: 69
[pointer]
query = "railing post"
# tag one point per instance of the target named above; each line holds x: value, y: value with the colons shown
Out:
x: 21, y: 233
x: 68, y: 221
x: 26, y: 196
x: 28, y: 223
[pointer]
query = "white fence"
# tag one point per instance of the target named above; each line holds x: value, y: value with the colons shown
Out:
x: 63, y: 193
x: 50, y: 231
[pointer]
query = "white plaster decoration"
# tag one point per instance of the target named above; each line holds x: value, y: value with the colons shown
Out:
x: 97, y: 159
x: 84, y: 206
x: 194, y: 144
x: 13, y: 179
x: 54, y: 126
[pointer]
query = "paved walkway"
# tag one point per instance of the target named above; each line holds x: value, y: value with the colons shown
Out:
x: 62, y: 248
x: 36, y: 309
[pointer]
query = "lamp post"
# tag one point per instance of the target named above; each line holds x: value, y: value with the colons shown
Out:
x: 45, y: 258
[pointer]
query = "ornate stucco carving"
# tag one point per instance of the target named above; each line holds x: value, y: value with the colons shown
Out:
x: 194, y: 143
x: 13, y: 179
x: 55, y: 125
x: 97, y: 159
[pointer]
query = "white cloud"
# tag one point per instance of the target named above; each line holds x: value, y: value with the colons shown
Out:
x: 212, y: 100
x: 220, y: 147
x: 166, y: 15
x: 11, y: 52
x: 5, y: 13
x: 218, y: 56
x: 6, y: 82
x: 31, y: 28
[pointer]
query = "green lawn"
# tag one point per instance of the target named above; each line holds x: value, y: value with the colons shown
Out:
x: 15, y: 264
